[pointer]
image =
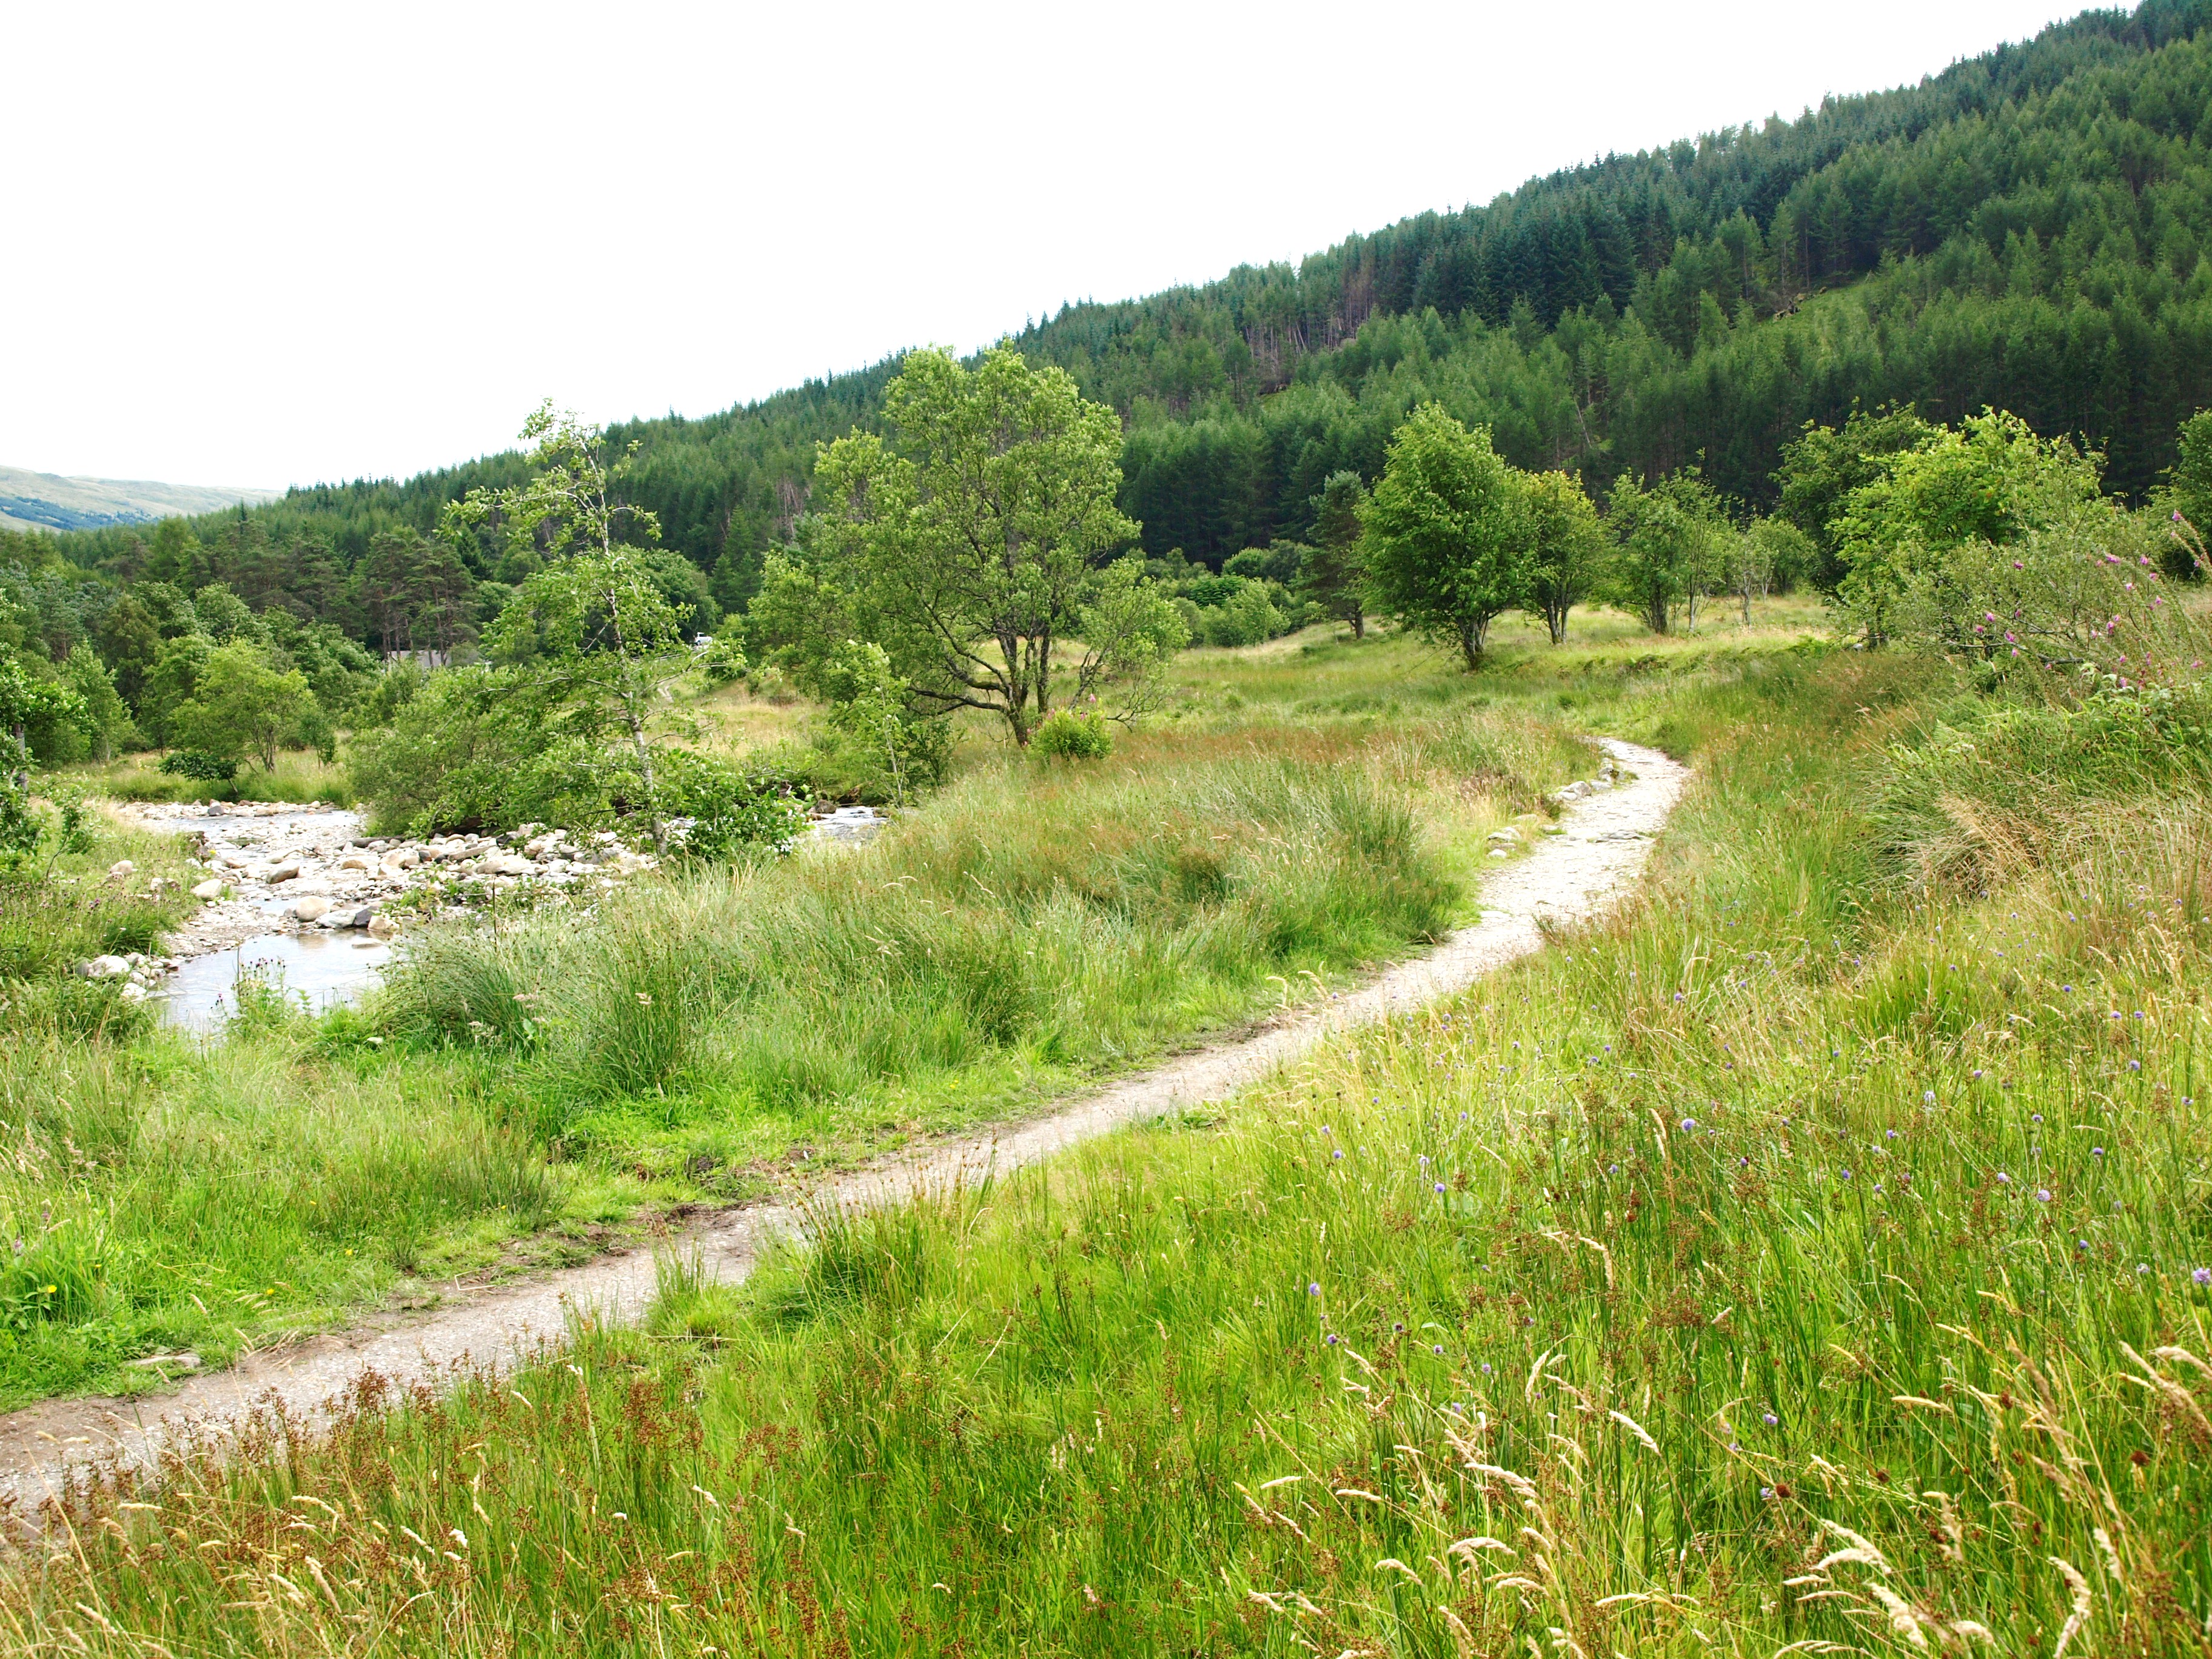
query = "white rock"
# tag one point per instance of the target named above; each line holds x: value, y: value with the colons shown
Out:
x: 287, y: 871
x: 120, y: 868
x: 383, y: 927
x: 133, y: 992
x: 314, y: 907
x: 1509, y: 836
x: 357, y: 861
x: 171, y: 1363
x: 208, y: 890
x: 105, y: 968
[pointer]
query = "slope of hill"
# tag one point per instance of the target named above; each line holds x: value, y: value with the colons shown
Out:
x: 2025, y: 230
x: 47, y: 501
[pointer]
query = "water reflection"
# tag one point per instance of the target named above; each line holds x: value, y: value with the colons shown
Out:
x: 326, y: 969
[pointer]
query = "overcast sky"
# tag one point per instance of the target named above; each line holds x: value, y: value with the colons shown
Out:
x: 269, y: 246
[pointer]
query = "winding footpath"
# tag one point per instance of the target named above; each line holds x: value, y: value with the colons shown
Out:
x: 1606, y: 835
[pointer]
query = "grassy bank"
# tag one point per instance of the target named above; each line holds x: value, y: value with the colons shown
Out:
x: 536, y: 1079
x: 1808, y: 1256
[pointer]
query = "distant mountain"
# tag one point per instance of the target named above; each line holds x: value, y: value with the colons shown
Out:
x: 46, y: 501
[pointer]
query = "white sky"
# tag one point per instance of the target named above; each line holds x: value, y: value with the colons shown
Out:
x: 262, y: 245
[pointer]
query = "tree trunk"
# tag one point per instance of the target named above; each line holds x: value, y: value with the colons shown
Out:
x: 1359, y: 623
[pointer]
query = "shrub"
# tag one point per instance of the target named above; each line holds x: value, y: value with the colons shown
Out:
x: 1247, y: 616
x: 733, y: 810
x: 1074, y: 737
x: 201, y: 765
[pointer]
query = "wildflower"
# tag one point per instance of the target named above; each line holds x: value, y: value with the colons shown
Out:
x: 2201, y: 1275
x: 1332, y: 1339
x: 1927, y: 1095
x: 2142, y: 1267
x: 2035, y: 1117
x: 1313, y: 1290
x: 1397, y: 1325
x: 2004, y: 1180
x: 2135, y: 1065
x: 1436, y: 1348
x: 1977, y: 1076
x: 1440, y: 1185
x: 1773, y: 1421
x: 1337, y: 1156
x: 2096, y: 1152
x: 1847, y: 1174
x: 2043, y: 1194
x: 1892, y: 1134
x: 1689, y: 1126
x: 2081, y: 1243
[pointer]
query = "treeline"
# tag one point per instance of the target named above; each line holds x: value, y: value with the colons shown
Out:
x: 2025, y: 231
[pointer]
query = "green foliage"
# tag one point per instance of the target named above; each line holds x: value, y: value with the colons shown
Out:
x: 244, y: 707
x: 1067, y: 736
x: 1821, y: 469
x: 1334, y: 574
x: 734, y: 811
x: 888, y: 749
x: 105, y: 723
x: 1990, y: 481
x: 591, y: 640
x: 201, y: 765
x: 1568, y: 550
x: 39, y: 716
x: 1448, y: 550
x: 1669, y: 534
x: 1235, y: 613
x: 970, y: 541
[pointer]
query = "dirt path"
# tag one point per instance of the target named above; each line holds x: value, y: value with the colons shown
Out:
x: 1605, y: 838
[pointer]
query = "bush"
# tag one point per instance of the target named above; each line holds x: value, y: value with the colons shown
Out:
x: 201, y: 765
x: 1074, y: 737
x: 1247, y: 616
x: 732, y: 809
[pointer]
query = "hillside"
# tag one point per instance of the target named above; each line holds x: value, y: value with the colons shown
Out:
x: 2024, y: 230
x: 47, y: 501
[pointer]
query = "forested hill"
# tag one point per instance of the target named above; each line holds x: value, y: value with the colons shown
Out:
x: 2028, y: 229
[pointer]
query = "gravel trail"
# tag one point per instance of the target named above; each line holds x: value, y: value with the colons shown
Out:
x: 1606, y: 835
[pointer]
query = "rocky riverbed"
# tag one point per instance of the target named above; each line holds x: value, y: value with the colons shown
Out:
x: 289, y: 888
x: 281, y: 869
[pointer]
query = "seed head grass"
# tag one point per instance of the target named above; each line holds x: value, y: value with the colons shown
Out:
x: 1819, y: 1266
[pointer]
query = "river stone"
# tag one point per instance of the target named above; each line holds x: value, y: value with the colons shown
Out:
x: 314, y: 907
x: 208, y: 890
x: 121, y: 868
x: 105, y: 968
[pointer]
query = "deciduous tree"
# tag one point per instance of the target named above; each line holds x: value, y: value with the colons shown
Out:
x: 970, y: 541
x: 1447, y: 539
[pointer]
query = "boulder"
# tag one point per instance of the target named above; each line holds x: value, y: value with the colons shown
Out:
x: 106, y: 968
x: 382, y: 927
x: 1509, y: 836
x: 362, y: 861
x: 312, y: 907
x: 121, y: 868
x: 287, y: 871
x: 133, y: 992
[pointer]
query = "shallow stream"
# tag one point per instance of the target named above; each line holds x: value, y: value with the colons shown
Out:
x: 323, y: 969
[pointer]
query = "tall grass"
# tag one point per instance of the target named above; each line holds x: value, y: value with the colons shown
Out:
x: 1036, y: 922
x: 1800, y: 1260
